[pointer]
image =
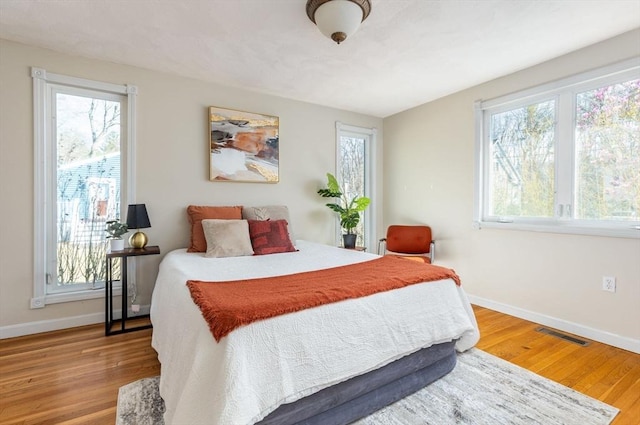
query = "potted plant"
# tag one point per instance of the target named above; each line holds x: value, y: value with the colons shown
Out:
x: 348, y: 209
x: 115, y: 229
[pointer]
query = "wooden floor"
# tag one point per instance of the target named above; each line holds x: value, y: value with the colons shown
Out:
x: 601, y: 371
x: 73, y: 376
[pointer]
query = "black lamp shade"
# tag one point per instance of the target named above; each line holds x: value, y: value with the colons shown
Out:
x: 137, y: 217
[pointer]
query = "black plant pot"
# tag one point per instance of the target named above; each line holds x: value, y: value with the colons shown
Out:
x: 349, y: 241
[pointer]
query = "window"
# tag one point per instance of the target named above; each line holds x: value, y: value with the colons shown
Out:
x: 355, y: 147
x: 521, y: 177
x: 83, y: 156
x: 564, y: 157
x: 607, y: 139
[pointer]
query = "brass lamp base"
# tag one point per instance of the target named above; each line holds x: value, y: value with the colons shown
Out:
x: 138, y: 240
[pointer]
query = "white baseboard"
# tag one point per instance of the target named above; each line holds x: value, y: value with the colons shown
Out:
x: 609, y: 338
x: 31, y: 328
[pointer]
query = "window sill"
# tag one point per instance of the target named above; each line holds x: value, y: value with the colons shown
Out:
x: 629, y: 233
x: 63, y: 297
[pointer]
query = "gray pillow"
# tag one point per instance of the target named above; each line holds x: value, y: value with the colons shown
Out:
x: 227, y: 238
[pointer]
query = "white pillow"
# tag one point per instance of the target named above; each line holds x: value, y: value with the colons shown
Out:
x: 227, y: 238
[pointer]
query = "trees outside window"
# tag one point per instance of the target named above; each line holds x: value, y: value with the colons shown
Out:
x: 607, y: 138
x: 523, y: 160
x: 354, y: 172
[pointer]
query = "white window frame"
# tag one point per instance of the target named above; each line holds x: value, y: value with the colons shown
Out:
x: 369, y: 215
x: 44, y: 85
x: 563, y: 92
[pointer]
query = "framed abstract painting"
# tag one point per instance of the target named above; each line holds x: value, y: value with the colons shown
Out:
x: 243, y: 146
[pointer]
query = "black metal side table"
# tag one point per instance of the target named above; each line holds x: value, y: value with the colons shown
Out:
x: 123, y: 255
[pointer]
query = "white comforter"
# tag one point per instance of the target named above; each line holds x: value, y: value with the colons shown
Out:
x: 253, y: 370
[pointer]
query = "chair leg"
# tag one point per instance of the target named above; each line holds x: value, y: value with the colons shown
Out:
x: 380, y: 242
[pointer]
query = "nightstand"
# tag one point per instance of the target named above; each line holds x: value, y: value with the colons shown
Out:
x: 123, y: 255
x: 358, y: 248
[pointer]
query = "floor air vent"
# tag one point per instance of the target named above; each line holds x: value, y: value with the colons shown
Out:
x: 563, y: 336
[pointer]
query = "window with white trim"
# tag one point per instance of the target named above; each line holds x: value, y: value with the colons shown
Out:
x: 83, y: 158
x: 563, y: 157
x: 354, y: 171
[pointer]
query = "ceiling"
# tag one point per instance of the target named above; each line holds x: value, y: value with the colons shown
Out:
x: 408, y: 52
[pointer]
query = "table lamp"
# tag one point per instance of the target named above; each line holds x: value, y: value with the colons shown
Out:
x: 137, y: 218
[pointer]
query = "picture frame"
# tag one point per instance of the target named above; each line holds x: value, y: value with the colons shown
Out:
x: 243, y: 146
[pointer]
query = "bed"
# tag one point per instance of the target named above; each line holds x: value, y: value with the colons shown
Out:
x: 330, y: 364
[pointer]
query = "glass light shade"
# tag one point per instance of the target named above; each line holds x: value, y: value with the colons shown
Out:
x: 338, y: 16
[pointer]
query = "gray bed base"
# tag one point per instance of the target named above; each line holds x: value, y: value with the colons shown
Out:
x: 362, y: 395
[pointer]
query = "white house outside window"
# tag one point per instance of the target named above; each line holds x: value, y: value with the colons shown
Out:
x: 564, y: 157
x: 83, y: 155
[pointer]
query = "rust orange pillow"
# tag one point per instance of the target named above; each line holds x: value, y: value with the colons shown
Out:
x: 198, y: 213
x: 270, y: 237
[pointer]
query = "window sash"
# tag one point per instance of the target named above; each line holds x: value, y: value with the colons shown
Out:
x: 564, y: 93
x: 44, y: 85
x: 54, y: 285
x: 489, y: 162
x: 368, y: 135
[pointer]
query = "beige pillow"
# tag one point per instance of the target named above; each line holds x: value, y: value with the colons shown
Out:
x: 269, y: 212
x: 227, y: 238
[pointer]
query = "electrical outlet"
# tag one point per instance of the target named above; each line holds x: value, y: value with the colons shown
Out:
x: 37, y: 302
x: 609, y: 283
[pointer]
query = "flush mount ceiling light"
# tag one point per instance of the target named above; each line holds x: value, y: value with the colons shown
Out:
x: 338, y: 19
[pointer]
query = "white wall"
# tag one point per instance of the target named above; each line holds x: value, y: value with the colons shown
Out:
x: 552, y: 278
x: 172, y: 169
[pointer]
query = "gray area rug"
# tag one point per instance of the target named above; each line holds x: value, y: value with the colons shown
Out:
x: 482, y: 389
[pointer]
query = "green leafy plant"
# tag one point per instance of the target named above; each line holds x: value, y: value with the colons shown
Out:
x: 348, y: 209
x: 115, y: 229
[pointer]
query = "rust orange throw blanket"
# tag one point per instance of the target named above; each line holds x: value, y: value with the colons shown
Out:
x: 229, y: 305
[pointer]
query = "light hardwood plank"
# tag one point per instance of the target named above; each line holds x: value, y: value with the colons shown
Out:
x: 606, y: 373
x: 72, y: 376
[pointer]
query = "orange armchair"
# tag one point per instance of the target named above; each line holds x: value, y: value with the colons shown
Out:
x: 412, y: 242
